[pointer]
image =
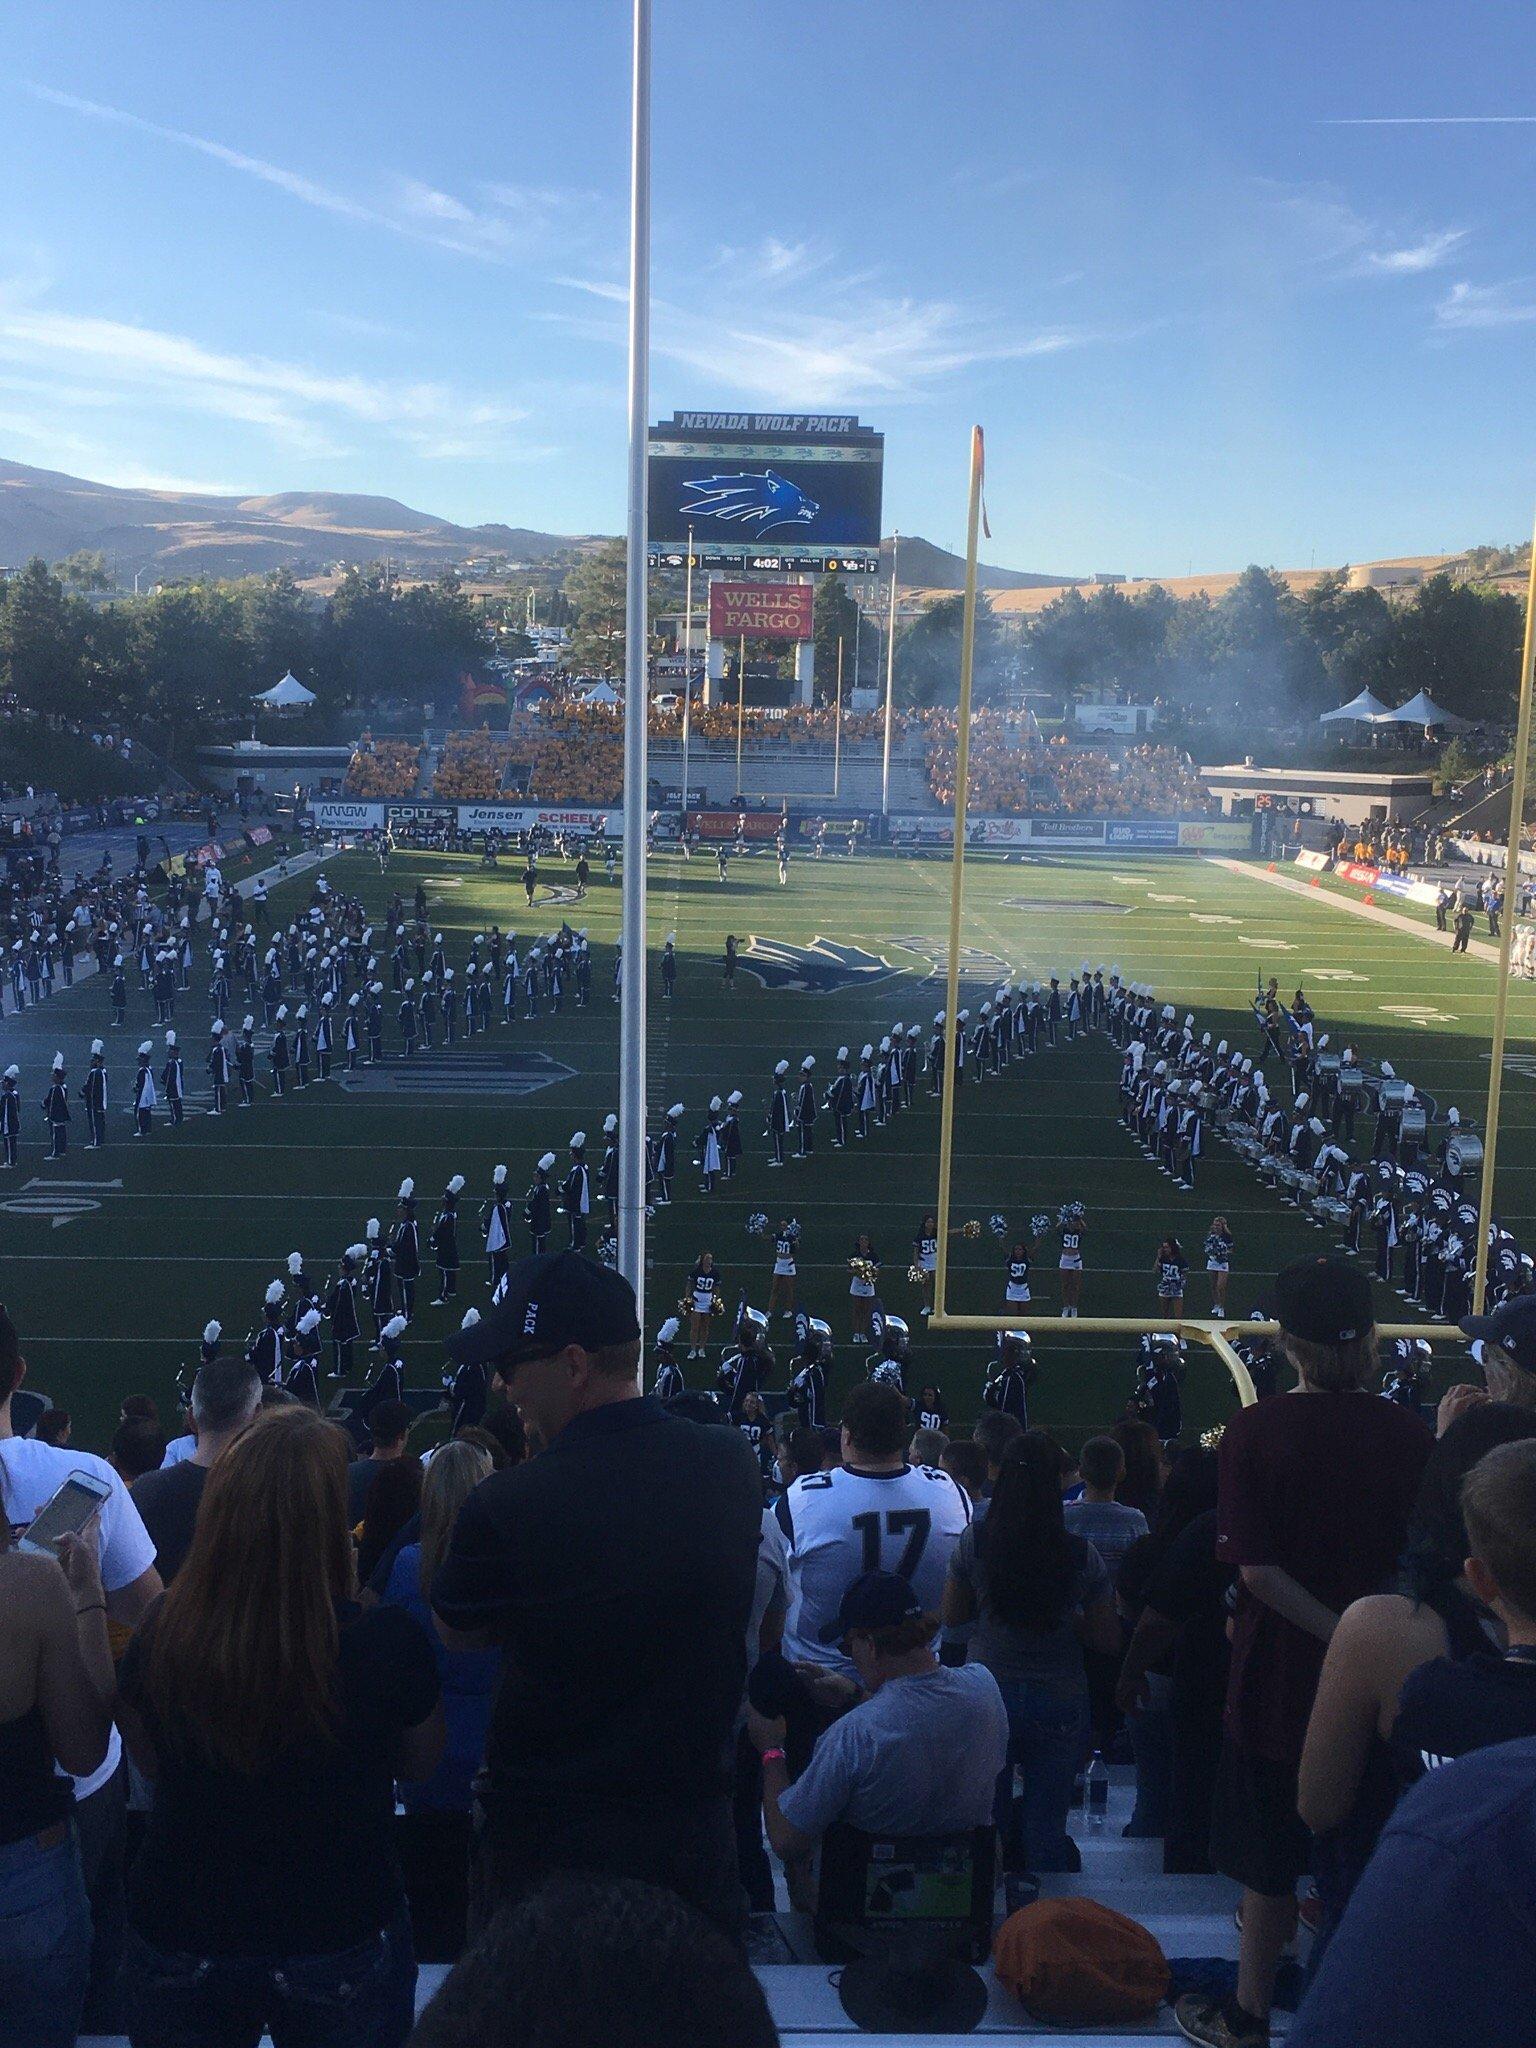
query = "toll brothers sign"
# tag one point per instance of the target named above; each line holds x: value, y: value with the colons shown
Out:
x: 765, y: 611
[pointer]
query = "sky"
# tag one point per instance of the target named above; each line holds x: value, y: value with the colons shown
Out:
x: 1223, y: 283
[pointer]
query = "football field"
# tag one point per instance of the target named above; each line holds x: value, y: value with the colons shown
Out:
x: 113, y: 1261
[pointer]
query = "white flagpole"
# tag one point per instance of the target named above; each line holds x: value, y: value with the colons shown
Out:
x: 636, y: 684
x: 890, y: 680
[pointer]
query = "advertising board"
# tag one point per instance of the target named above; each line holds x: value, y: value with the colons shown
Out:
x: 723, y: 824
x: 1216, y: 835
x: 1356, y: 871
x: 342, y: 814
x: 1141, y: 832
x: 765, y: 611
x: 1065, y: 831
x: 1315, y: 863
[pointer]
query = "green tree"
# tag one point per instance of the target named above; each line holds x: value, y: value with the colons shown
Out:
x: 595, y: 592
x: 1462, y: 645
x: 928, y: 655
x: 86, y: 569
x: 44, y: 638
x: 836, y: 618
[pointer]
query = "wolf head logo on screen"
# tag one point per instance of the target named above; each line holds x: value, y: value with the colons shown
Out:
x: 755, y: 498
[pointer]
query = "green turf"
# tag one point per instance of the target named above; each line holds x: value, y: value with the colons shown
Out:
x: 113, y: 1300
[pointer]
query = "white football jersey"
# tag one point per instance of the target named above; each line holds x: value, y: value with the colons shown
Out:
x: 842, y: 1523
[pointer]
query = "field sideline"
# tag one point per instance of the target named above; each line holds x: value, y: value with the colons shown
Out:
x: 166, y: 1233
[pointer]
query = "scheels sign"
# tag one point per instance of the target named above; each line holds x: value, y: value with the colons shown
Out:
x: 767, y: 611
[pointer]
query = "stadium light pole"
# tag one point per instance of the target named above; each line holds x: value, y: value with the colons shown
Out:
x: 636, y: 683
x: 1517, y: 788
x: 890, y: 682
x: 687, y: 676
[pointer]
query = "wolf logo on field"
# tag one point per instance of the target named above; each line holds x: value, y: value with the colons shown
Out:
x: 759, y: 499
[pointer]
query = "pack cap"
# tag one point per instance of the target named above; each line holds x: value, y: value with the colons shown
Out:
x: 874, y: 1600
x: 1512, y: 1326
x: 1324, y: 1301
x: 552, y: 1300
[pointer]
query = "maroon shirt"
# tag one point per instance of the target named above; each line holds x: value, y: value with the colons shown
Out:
x: 1320, y: 1485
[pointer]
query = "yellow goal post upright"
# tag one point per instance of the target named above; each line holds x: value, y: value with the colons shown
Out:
x: 1215, y: 1335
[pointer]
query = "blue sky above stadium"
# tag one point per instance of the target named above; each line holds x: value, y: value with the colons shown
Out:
x: 1223, y: 283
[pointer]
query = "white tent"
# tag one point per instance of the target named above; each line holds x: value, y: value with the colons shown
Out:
x: 287, y: 694
x: 1422, y: 710
x: 601, y: 693
x: 1362, y: 707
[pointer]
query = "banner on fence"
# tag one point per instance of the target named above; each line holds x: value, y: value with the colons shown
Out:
x: 1356, y: 871
x: 1141, y: 832
x: 342, y: 814
x: 1216, y: 835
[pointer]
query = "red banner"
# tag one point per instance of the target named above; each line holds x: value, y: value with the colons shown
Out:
x: 724, y: 824
x: 1355, y: 871
x: 761, y: 611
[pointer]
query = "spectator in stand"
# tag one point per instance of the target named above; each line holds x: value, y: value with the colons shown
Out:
x: 138, y: 1446
x: 1097, y: 1515
x: 267, y: 1893
x: 1173, y: 1677
x: 468, y: 1677
x: 996, y: 1433
x: 393, y: 1498
x: 1439, y: 1635
x: 30, y: 1474
x: 1039, y: 1596
x: 921, y: 1752
x: 928, y: 1447
x: 1146, y: 1466
x: 584, y: 1961
x: 617, y: 1569
x: 53, y: 1427
x: 1438, y: 1944
x: 1315, y: 1492
x: 56, y: 1688
x: 966, y: 1463
x: 226, y: 1395
x: 389, y: 1426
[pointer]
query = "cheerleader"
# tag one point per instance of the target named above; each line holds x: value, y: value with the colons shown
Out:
x: 925, y: 1261
x: 1016, y: 1290
x: 1219, y: 1246
x: 1169, y: 1267
x: 863, y: 1271
x: 1069, y: 1232
x: 931, y: 1411
x: 781, y: 1287
x: 703, y: 1292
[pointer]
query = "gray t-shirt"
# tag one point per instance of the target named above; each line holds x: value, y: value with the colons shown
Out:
x: 919, y: 1758
x: 1049, y: 1658
x: 1108, y: 1526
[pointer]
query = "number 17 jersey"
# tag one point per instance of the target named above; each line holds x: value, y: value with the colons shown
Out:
x: 837, y: 1525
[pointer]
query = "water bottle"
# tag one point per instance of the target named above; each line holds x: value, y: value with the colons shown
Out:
x: 1096, y: 1789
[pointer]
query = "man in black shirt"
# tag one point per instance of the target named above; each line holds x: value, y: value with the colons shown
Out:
x: 617, y: 1569
x: 225, y: 1397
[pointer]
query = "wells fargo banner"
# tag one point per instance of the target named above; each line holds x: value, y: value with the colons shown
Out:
x: 765, y: 611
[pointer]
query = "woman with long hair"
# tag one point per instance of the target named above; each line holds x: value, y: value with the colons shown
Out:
x: 1169, y: 1268
x: 56, y: 1685
x: 469, y: 1677
x: 1039, y: 1597
x: 273, y: 1716
x: 1145, y: 1466
x: 394, y: 1497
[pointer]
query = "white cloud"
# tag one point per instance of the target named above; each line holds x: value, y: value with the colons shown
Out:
x: 1466, y: 307
x: 55, y: 352
x: 514, y: 219
x: 1427, y: 254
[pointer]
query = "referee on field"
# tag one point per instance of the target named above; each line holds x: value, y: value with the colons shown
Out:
x: 616, y: 1569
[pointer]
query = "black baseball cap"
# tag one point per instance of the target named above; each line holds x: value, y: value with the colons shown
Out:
x: 874, y: 1600
x: 552, y: 1300
x: 1512, y: 1326
x: 1324, y: 1301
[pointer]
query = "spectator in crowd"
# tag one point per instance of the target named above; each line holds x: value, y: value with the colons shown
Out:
x: 53, y: 1427
x: 584, y: 1960
x: 966, y: 1463
x: 393, y: 1499
x: 919, y: 1755
x: 56, y: 1688
x: 799, y: 1453
x: 226, y: 1395
x: 928, y: 1447
x: 1039, y: 1596
x: 1504, y: 1344
x: 1141, y: 1483
x: 273, y: 1726
x: 1173, y: 1678
x: 995, y: 1432
x: 468, y: 1677
x: 138, y: 1447
x: 1395, y: 1659
x: 1098, y: 1516
x: 30, y: 1474
x: 1315, y: 1491
x: 1437, y: 1945
x: 389, y: 1426
x: 617, y: 1569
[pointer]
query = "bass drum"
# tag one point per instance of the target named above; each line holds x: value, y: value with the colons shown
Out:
x: 1413, y: 1125
x: 1464, y: 1155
